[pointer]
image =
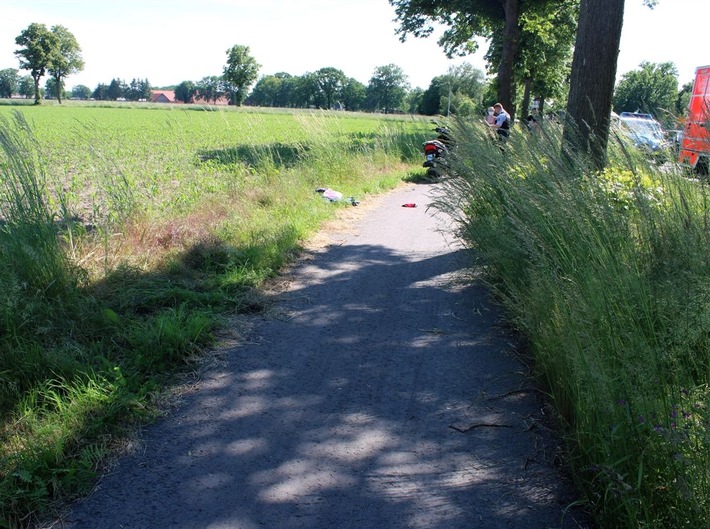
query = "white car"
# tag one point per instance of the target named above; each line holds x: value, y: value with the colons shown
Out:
x: 644, y: 131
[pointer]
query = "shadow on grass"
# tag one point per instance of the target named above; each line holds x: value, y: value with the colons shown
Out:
x: 276, y: 154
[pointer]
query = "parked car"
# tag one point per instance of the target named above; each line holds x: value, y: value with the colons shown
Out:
x: 644, y: 132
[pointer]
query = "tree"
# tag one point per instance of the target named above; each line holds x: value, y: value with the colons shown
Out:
x: 467, y: 19
x: 306, y: 94
x: 430, y: 103
x: 100, y: 93
x: 683, y: 99
x: 464, y: 90
x: 388, y: 88
x: 354, y: 94
x: 66, y: 58
x: 115, y: 90
x: 287, y: 88
x: 26, y: 86
x: 37, y: 48
x: 414, y: 100
x: 462, y: 86
x: 278, y: 90
x: 266, y: 91
x: 9, y: 79
x: 651, y: 89
x: 239, y: 73
x: 52, y: 90
x: 329, y: 84
x: 81, y: 92
x: 137, y: 90
x: 186, y: 92
x: 210, y: 88
x: 544, y: 57
x: 593, y: 76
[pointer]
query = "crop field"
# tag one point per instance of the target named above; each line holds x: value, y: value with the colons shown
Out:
x: 173, y: 156
x: 108, y: 165
x: 128, y: 235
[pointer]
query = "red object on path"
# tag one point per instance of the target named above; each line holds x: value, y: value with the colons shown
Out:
x: 409, y: 205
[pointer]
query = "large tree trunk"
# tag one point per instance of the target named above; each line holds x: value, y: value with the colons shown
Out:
x: 525, y: 110
x: 60, y: 87
x: 511, y: 35
x: 38, y: 94
x: 593, y: 76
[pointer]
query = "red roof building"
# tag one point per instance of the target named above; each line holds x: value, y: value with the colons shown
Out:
x: 162, y: 96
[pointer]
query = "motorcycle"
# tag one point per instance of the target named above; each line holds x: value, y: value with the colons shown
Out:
x: 435, y: 152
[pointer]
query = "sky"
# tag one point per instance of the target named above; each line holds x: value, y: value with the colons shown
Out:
x: 168, y: 42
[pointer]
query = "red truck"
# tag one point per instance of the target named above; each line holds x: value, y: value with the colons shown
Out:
x: 695, y: 142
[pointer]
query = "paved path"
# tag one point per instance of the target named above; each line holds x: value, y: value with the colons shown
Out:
x: 385, y: 395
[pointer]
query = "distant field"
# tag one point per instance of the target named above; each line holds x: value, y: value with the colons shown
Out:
x: 171, y: 154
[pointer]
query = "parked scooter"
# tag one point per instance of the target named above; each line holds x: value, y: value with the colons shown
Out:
x: 436, y: 151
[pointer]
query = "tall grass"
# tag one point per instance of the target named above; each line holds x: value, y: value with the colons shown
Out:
x: 606, y: 276
x: 30, y: 245
x: 126, y: 237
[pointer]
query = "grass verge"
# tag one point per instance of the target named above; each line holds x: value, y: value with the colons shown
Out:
x: 606, y: 277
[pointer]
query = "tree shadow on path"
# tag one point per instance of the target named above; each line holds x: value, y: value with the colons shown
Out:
x: 383, y: 394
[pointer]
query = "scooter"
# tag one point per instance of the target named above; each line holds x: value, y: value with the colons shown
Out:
x: 435, y: 152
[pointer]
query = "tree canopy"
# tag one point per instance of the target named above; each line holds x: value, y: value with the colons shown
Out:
x: 459, y: 91
x: 542, y: 63
x: 465, y: 20
x: 38, y: 46
x: 81, y: 92
x: 65, y: 59
x: 652, y: 89
x: 186, y: 92
x: 210, y: 88
x: 329, y: 84
x: 54, y: 51
x: 9, y: 80
x: 388, y: 88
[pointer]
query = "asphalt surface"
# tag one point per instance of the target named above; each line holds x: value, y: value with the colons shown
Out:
x: 383, y: 392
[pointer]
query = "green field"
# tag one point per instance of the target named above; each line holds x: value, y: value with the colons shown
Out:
x: 129, y: 236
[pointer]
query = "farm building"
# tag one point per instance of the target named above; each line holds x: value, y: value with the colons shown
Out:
x: 162, y: 96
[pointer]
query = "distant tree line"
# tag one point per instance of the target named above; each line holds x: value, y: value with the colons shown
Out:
x: 388, y: 91
x: 327, y: 88
x: 541, y: 66
x: 117, y: 89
